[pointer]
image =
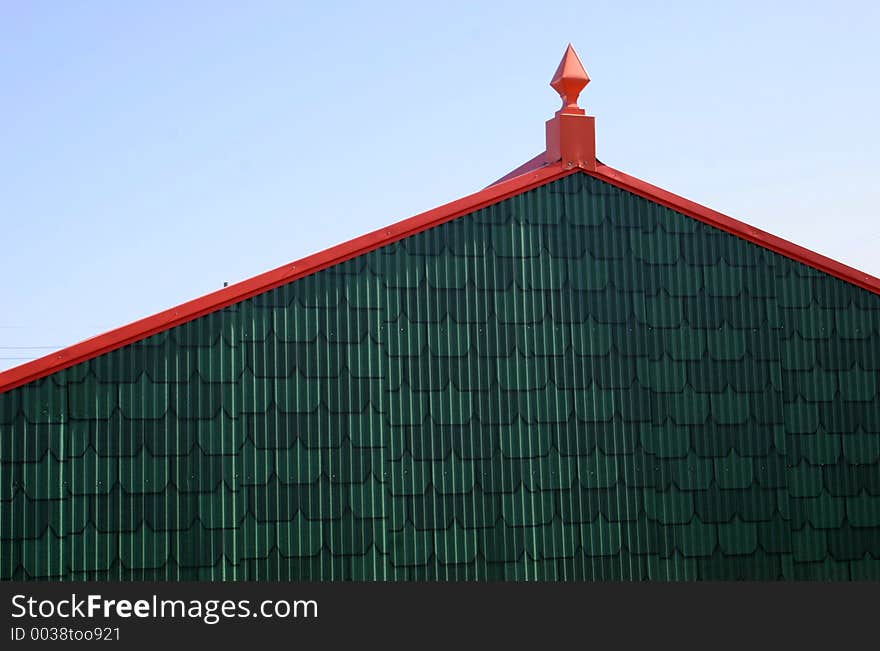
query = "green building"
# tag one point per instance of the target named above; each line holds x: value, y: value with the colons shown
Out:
x: 569, y: 375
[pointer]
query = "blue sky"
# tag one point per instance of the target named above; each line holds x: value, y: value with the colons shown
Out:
x: 153, y: 151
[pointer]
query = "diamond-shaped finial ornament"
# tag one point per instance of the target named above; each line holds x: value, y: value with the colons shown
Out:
x: 569, y: 80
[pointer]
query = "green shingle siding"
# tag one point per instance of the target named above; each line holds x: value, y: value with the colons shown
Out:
x: 575, y: 383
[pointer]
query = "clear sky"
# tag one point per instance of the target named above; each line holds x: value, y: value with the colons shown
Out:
x: 153, y: 150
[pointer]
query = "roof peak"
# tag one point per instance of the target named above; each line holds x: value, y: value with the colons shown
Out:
x: 570, y: 149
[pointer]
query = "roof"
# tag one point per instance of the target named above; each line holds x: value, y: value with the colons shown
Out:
x: 570, y: 150
x: 575, y: 383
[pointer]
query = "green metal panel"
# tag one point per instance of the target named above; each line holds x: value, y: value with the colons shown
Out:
x: 575, y: 383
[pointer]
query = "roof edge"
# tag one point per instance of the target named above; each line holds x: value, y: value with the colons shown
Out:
x: 529, y: 166
x: 500, y: 190
x: 736, y: 227
x: 141, y: 329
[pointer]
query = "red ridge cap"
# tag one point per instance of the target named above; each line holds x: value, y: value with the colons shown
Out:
x: 736, y: 227
x: 185, y: 312
x: 530, y: 165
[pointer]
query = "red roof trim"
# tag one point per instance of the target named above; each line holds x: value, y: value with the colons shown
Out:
x: 532, y: 164
x: 736, y: 227
x: 499, y: 191
x: 101, y: 344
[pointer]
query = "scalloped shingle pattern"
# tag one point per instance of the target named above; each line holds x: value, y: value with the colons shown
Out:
x: 575, y: 383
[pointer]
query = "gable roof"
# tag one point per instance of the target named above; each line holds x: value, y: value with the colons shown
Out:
x: 571, y: 150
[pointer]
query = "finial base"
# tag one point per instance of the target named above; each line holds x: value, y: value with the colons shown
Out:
x: 571, y: 140
x: 571, y: 110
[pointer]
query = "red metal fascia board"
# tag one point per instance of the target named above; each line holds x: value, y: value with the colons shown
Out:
x: 143, y: 328
x: 736, y: 227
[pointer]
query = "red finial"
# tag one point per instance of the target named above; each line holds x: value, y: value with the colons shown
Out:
x: 571, y: 134
x: 569, y: 80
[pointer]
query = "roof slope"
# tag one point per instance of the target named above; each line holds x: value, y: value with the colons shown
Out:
x: 572, y: 383
x: 533, y: 175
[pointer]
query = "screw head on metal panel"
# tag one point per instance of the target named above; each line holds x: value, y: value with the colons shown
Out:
x: 569, y: 80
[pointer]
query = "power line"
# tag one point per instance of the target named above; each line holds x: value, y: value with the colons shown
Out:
x: 29, y: 347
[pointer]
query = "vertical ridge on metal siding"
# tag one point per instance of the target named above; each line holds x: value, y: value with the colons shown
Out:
x: 574, y: 383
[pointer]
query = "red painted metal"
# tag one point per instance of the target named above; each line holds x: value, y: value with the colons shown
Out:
x: 571, y: 140
x: 529, y: 166
x: 569, y: 80
x: 264, y: 282
x: 571, y: 133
